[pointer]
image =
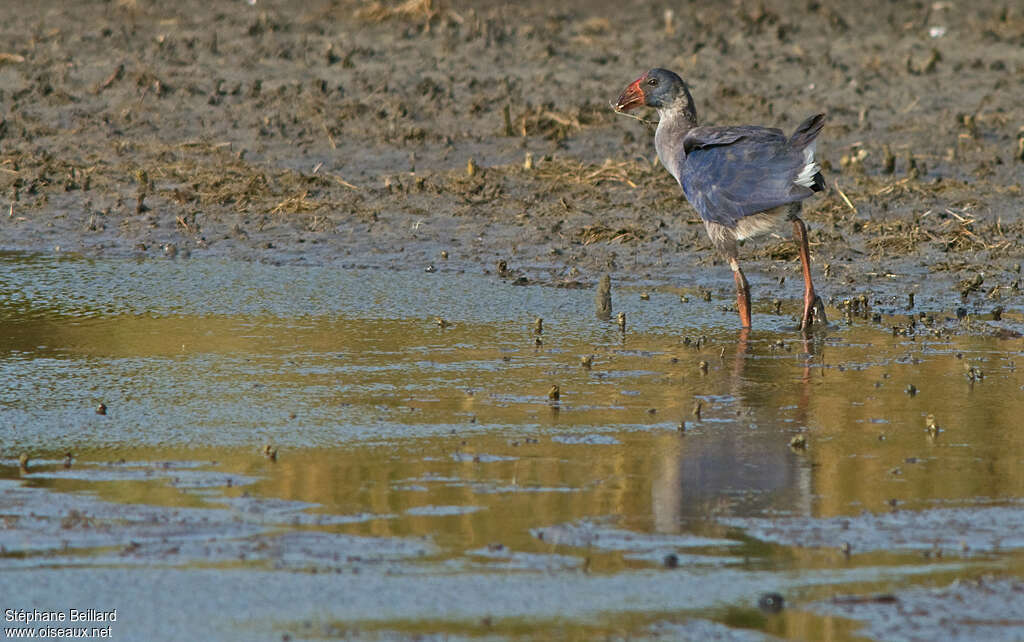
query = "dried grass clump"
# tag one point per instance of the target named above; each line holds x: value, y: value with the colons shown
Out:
x: 599, y: 233
x: 410, y: 9
x: 573, y: 171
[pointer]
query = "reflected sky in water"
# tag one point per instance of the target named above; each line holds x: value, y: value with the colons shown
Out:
x: 449, y: 434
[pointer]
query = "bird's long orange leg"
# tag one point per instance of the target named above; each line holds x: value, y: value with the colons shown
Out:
x: 742, y: 292
x: 811, y: 300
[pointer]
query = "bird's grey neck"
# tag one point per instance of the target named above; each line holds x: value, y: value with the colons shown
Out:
x: 673, y: 123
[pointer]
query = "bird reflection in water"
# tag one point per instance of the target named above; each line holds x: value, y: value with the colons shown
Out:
x: 737, y: 465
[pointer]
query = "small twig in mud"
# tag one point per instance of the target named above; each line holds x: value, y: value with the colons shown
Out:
x: 317, y: 223
x: 189, y: 228
x: 330, y: 138
x: 296, y: 205
x: 609, y: 171
x: 911, y: 106
x: 600, y: 233
x: 958, y: 217
x: 343, y: 182
x: 203, y: 143
x: 410, y: 8
x: 111, y: 79
x: 562, y: 120
x: 145, y: 92
x: 555, y: 125
x: 843, y: 195
x: 902, y: 185
x: 10, y: 57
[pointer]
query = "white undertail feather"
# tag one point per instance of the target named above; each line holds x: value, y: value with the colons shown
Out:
x: 760, y: 224
x: 806, y: 176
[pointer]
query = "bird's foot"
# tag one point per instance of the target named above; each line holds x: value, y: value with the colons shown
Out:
x: 814, y: 310
x: 819, y: 311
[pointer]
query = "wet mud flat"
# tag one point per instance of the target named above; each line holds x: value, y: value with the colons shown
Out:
x: 385, y: 134
x: 366, y: 471
x: 296, y: 253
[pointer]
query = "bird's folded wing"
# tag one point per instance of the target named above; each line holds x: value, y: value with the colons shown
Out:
x: 732, y: 172
x: 703, y: 137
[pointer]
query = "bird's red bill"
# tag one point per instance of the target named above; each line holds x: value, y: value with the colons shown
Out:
x: 633, y: 96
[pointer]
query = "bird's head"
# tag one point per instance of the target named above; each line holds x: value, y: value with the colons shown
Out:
x: 658, y: 88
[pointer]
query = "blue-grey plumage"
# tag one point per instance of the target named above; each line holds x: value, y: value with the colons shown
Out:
x: 741, y: 180
x: 728, y: 173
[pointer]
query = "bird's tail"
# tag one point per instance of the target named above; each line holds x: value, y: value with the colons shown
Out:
x: 819, y: 183
x: 807, y: 131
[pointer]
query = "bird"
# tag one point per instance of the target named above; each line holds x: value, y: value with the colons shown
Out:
x: 742, y: 180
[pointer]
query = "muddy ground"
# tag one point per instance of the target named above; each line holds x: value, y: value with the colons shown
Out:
x: 864, y: 475
x: 386, y: 134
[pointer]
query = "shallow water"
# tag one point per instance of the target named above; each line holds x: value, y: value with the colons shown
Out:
x: 425, y: 483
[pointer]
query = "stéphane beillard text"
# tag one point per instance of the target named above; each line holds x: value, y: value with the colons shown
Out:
x: 71, y: 615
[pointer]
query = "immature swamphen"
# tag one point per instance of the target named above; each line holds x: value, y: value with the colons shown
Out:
x: 741, y: 180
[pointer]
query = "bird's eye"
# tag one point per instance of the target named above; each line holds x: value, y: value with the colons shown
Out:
x: 653, y: 82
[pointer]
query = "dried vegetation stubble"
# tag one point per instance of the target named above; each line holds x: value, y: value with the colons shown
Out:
x: 389, y: 131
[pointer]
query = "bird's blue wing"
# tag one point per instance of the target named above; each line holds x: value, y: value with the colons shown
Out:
x: 732, y: 172
x: 704, y: 137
